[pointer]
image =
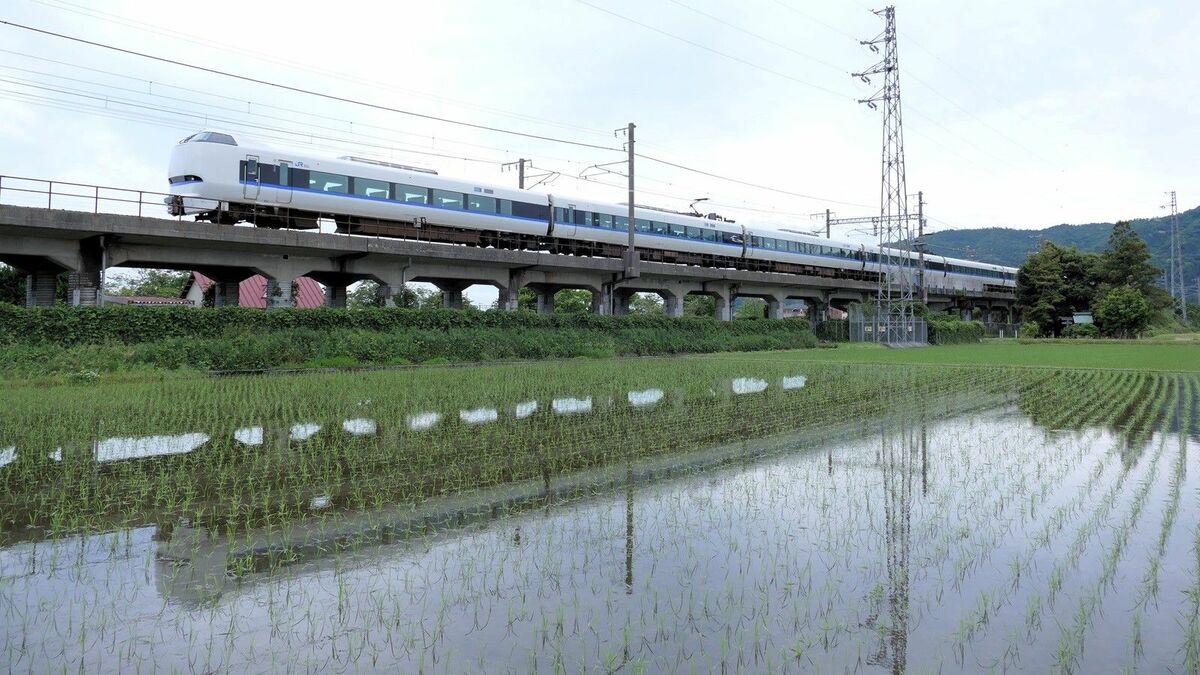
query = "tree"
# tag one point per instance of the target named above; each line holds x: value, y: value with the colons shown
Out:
x: 699, y: 305
x: 1123, y: 312
x: 566, y: 301
x: 12, y: 285
x: 750, y: 308
x: 1126, y: 262
x: 645, y: 303
x: 152, y: 283
x: 365, y: 294
x: 1055, y: 282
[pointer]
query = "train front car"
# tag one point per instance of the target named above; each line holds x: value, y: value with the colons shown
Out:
x: 203, y: 175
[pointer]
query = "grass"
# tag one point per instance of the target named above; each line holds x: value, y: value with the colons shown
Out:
x: 1182, y: 357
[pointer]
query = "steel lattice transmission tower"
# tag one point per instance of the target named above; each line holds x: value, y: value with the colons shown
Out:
x: 897, y: 280
x: 1175, y: 282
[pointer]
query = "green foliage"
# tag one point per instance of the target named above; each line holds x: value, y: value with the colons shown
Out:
x: 949, y: 331
x: 1123, y: 312
x: 1030, y: 329
x: 1126, y: 262
x: 148, y: 282
x: 65, y: 339
x: 699, y: 305
x: 1055, y: 282
x: 1011, y: 247
x: 751, y: 308
x: 1081, y: 330
x: 12, y: 286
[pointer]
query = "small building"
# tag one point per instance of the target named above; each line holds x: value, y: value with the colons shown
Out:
x: 252, y: 292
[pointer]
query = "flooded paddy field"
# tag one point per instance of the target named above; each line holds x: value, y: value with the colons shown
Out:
x: 674, y: 515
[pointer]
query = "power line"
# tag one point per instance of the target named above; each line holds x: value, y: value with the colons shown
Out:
x: 718, y: 52
x: 308, y: 92
x: 746, y: 183
x: 92, y: 13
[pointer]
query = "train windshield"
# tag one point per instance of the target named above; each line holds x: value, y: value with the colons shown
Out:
x: 209, y: 137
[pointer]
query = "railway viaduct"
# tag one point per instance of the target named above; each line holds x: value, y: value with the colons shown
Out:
x: 44, y: 243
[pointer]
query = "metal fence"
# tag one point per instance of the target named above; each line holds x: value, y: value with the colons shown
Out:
x: 879, y: 329
x: 67, y: 196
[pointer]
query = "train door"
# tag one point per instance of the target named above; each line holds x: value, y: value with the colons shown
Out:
x: 283, y: 195
x: 251, y: 185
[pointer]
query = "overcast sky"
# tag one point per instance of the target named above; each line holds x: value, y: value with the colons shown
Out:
x: 1018, y: 114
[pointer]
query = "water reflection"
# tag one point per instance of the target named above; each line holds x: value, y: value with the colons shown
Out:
x: 525, y: 409
x: 479, y: 415
x: 8, y: 455
x: 794, y: 382
x: 570, y: 406
x: 249, y: 435
x: 114, y: 449
x: 56, y: 455
x: 360, y: 426
x: 422, y: 421
x: 648, y: 397
x: 320, y: 502
x: 303, y: 432
x: 748, y: 385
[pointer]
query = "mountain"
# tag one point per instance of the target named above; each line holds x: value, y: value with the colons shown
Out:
x: 1005, y: 246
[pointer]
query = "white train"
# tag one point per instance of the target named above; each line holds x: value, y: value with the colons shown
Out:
x: 215, y: 178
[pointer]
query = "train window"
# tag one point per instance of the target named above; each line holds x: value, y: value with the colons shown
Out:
x: 583, y: 217
x: 678, y: 230
x: 794, y: 246
x: 411, y: 194
x: 694, y: 232
x: 604, y: 220
x: 448, y: 199
x: 368, y: 187
x: 621, y: 223
x: 210, y: 137
x: 644, y: 225
x: 283, y: 174
x: 505, y: 207
x: 268, y: 174
x: 755, y: 242
x: 660, y: 228
x: 299, y: 178
x: 731, y: 238
x: 327, y: 182
x: 480, y: 203
x: 710, y: 235
x: 532, y: 211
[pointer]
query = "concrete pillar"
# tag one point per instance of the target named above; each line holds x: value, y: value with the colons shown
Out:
x: 507, y: 298
x: 673, y: 304
x: 226, y: 293
x: 545, y: 299
x: 775, y: 307
x: 620, y: 302
x: 452, y: 293
x: 602, y: 301
x: 279, y: 294
x: 723, y: 312
x: 40, y: 288
x: 83, y: 287
x: 335, y: 296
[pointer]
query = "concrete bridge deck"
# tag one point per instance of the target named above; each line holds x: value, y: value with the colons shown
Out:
x: 45, y: 242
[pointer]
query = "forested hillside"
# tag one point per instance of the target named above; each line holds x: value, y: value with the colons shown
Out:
x: 1010, y: 247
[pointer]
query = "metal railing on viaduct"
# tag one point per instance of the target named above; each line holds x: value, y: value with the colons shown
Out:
x: 48, y: 228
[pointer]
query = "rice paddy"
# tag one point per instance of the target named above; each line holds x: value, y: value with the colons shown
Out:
x: 649, y: 515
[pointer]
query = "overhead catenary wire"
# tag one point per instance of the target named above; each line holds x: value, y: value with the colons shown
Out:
x: 304, y: 91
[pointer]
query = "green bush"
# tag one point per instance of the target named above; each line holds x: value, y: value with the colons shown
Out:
x: 1081, y: 330
x: 953, y: 331
x: 254, y: 339
x: 1030, y: 329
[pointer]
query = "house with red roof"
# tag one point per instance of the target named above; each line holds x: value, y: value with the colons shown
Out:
x: 252, y: 292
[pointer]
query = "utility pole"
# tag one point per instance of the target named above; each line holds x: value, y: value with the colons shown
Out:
x: 828, y: 216
x: 921, y: 246
x: 520, y: 165
x: 631, y: 256
x: 894, y: 295
x: 1175, y: 283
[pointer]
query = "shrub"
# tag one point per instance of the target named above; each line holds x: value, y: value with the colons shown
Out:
x: 1081, y: 330
x: 952, y: 331
x: 1030, y: 329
